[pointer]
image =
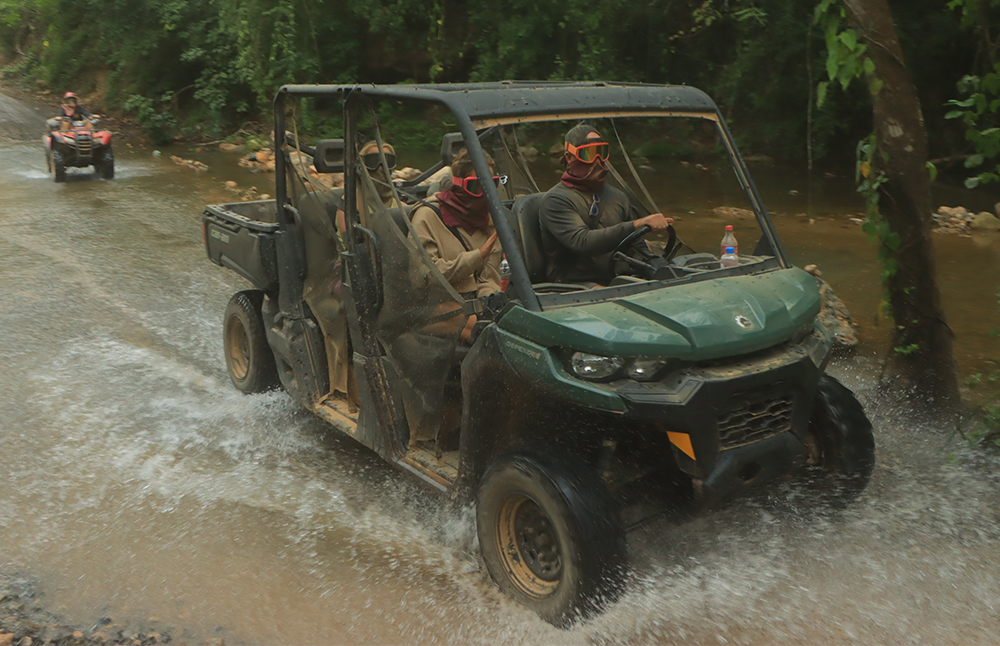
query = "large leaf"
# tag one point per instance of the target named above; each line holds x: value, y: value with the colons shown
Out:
x: 974, y: 160
x: 849, y: 38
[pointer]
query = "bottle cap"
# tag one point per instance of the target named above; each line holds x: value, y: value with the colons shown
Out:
x: 730, y: 249
x: 729, y: 227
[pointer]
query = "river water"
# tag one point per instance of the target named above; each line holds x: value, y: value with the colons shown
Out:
x: 137, y: 483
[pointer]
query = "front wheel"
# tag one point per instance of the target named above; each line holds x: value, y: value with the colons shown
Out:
x: 57, y: 166
x: 249, y: 359
x: 845, y: 444
x: 551, y: 535
x: 106, y: 167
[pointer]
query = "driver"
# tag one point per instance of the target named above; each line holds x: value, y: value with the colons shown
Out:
x: 73, y: 109
x: 582, y: 218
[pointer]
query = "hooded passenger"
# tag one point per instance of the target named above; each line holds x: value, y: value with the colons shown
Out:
x: 455, y: 228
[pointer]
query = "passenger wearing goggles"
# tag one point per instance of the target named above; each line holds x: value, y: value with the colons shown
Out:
x: 455, y: 228
x: 381, y: 178
x: 582, y: 218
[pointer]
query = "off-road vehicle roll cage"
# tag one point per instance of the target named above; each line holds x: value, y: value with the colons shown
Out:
x: 477, y: 106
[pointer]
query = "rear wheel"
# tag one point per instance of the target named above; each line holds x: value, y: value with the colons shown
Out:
x: 57, y: 166
x: 106, y: 167
x: 844, y: 441
x: 248, y: 357
x: 551, y: 535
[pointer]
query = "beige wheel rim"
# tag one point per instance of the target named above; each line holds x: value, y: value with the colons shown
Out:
x: 237, y: 348
x: 529, y: 547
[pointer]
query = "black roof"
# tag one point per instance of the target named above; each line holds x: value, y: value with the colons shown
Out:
x: 525, y: 98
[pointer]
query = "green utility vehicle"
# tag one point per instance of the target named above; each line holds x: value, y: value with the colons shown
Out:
x: 576, y: 413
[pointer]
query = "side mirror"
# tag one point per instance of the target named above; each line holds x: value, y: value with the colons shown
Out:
x: 329, y: 156
x: 451, y: 144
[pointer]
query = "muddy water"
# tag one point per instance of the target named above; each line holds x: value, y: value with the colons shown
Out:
x: 136, y: 483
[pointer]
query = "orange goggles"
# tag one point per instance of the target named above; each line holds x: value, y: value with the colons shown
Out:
x: 474, y: 187
x: 589, y: 153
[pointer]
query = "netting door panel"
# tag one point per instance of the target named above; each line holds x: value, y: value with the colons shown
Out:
x: 420, y: 317
x: 318, y: 207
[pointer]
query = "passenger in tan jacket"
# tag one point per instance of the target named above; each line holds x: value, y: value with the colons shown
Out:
x: 455, y: 229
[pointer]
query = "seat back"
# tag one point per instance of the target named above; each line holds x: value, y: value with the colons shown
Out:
x: 400, y: 216
x: 528, y: 230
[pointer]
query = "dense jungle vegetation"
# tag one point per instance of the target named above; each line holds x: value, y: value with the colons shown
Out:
x: 204, y: 67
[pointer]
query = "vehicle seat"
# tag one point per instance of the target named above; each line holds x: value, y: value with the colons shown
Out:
x: 399, y: 217
x: 528, y: 231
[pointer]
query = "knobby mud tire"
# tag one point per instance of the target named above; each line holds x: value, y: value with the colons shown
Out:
x: 846, y: 442
x: 57, y: 166
x: 106, y: 167
x: 249, y: 359
x: 551, y: 535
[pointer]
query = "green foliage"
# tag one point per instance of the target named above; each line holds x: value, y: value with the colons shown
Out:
x: 846, y: 58
x: 978, y: 111
x: 224, y: 59
x: 158, y: 124
x: 869, y: 180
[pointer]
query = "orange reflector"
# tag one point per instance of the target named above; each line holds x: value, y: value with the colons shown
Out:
x: 683, y: 442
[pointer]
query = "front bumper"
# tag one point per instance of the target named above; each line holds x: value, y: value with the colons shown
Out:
x: 733, y: 424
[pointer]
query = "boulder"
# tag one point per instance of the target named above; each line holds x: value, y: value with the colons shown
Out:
x: 557, y: 149
x: 230, y: 148
x: 834, y: 316
x: 950, y: 211
x: 733, y: 212
x: 986, y: 221
x: 230, y: 184
x: 529, y: 152
x: 405, y: 174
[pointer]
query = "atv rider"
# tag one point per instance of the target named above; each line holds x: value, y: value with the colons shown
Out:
x: 72, y: 109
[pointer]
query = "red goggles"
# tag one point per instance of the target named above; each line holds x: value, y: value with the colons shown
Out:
x: 474, y: 187
x: 589, y: 153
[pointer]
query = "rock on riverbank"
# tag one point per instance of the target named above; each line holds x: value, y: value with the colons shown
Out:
x: 24, y: 621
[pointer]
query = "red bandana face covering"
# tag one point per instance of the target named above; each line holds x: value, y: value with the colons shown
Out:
x: 459, y: 209
x: 585, y: 177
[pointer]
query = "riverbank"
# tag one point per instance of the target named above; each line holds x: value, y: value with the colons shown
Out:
x: 26, y: 621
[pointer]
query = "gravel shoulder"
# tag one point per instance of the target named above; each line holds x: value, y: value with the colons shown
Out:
x: 24, y: 621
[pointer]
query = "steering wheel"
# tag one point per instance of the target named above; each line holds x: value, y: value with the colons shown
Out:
x: 644, y: 264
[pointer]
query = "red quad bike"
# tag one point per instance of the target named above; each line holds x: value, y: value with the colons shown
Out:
x: 77, y: 144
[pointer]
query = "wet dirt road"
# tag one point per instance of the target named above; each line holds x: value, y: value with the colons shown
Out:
x: 136, y: 483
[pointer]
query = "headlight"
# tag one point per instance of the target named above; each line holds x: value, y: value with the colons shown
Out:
x: 645, y: 369
x: 594, y: 366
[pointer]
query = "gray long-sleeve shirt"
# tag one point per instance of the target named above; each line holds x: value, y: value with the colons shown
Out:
x: 578, y: 244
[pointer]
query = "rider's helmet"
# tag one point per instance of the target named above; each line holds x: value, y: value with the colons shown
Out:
x: 68, y: 96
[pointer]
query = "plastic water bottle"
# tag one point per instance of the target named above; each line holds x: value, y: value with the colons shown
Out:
x: 729, y: 258
x: 729, y: 240
x: 504, y: 274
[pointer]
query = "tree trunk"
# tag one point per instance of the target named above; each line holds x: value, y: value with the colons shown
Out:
x: 922, y: 340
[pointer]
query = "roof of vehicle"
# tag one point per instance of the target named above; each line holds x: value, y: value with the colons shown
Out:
x: 525, y: 98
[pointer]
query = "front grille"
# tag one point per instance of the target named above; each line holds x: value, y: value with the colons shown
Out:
x: 84, y: 143
x: 754, y: 415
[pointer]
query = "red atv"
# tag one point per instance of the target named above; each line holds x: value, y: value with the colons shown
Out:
x: 78, y: 144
